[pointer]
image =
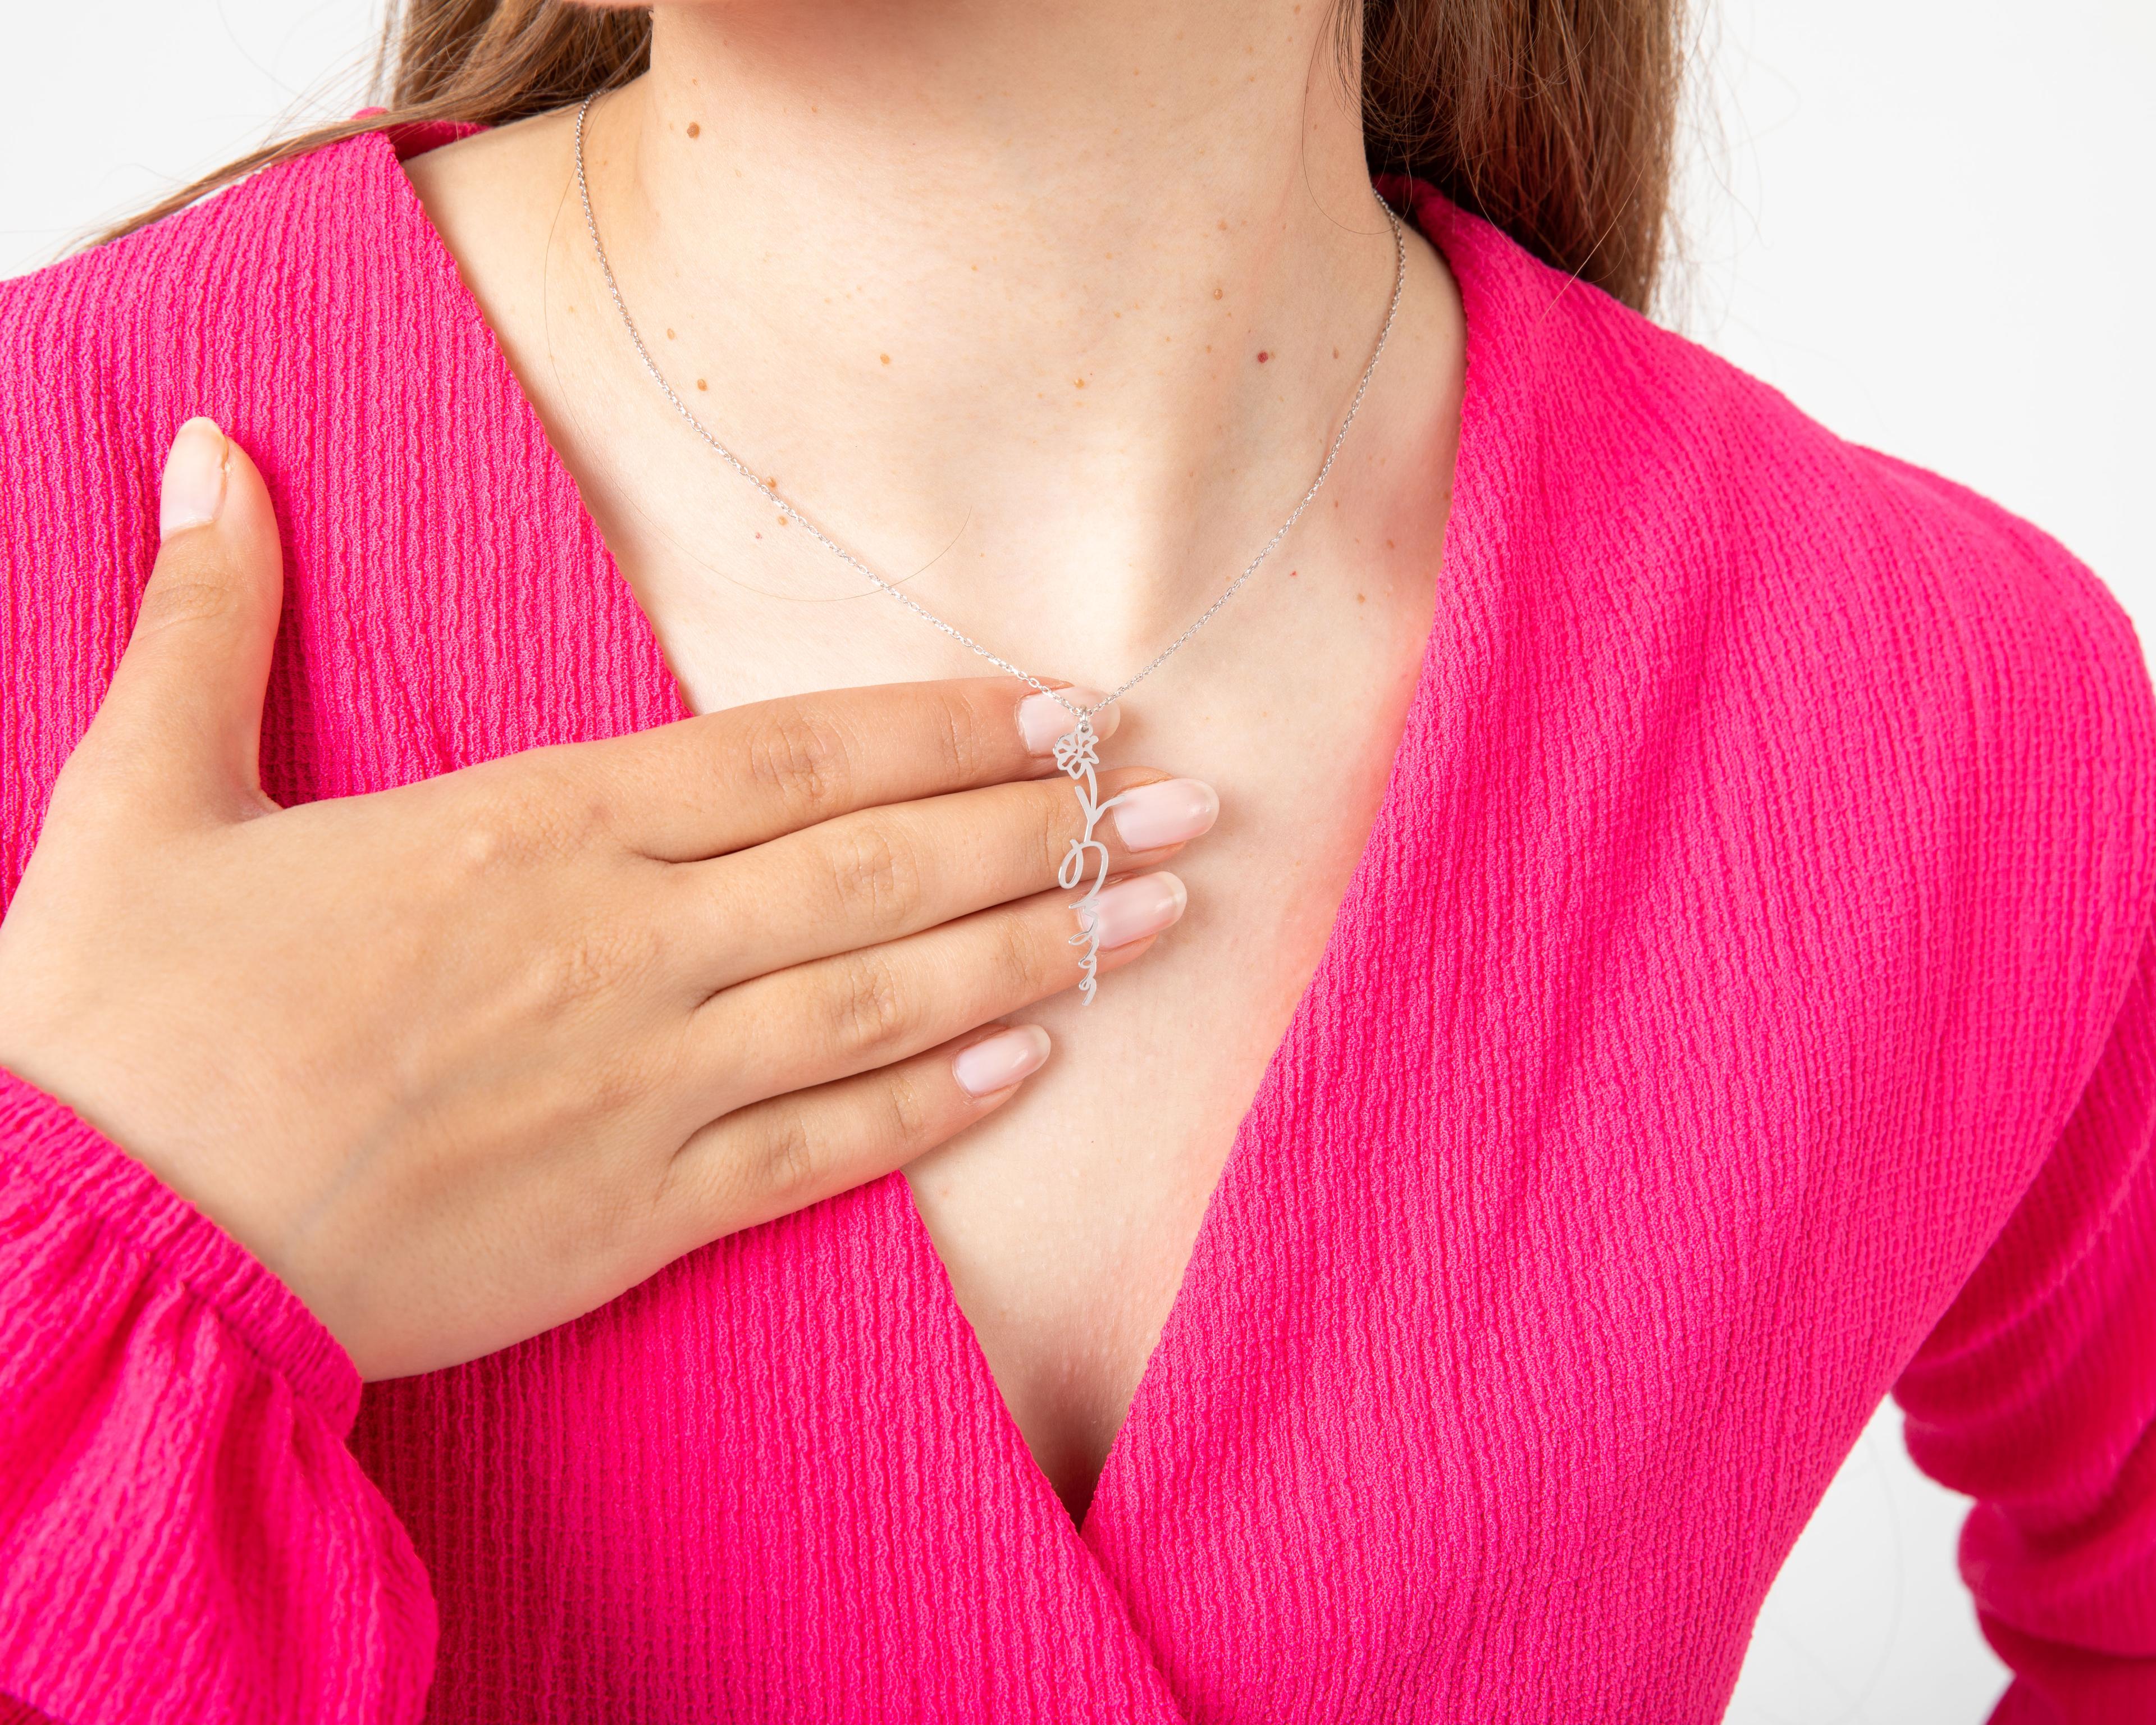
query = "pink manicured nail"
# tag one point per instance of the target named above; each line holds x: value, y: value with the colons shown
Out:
x: 998, y: 1062
x: 193, y: 490
x: 1165, y: 814
x: 1132, y: 909
x: 1042, y: 719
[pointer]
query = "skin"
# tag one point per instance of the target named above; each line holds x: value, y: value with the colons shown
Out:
x: 983, y: 285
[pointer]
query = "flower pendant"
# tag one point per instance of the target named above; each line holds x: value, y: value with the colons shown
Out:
x: 1077, y: 753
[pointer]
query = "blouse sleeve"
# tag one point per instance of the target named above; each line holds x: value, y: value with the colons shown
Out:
x: 184, y: 1534
x: 2036, y: 1396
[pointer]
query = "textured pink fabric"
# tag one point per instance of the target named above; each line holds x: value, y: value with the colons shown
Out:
x: 1746, y: 1005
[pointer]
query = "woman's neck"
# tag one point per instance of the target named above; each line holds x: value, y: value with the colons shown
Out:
x: 1060, y: 294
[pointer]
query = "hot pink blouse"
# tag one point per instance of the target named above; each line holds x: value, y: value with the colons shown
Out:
x: 1745, y: 1006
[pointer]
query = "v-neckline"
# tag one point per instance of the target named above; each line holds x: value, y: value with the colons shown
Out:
x: 632, y: 624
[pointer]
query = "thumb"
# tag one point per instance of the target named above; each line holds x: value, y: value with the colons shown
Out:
x: 183, y: 719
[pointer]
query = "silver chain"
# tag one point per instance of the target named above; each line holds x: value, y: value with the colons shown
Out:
x: 796, y: 515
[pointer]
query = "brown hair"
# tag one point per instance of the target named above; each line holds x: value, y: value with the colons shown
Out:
x: 1552, y: 118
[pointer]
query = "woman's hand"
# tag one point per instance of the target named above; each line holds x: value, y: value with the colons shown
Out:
x: 461, y: 1061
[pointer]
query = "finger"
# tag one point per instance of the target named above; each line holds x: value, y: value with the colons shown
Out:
x: 776, y: 1157
x: 704, y: 786
x: 880, y: 873
x: 863, y: 1009
x: 182, y: 724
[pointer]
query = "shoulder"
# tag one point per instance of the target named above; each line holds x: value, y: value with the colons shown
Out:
x: 211, y: 265
x: 210, y: 310
x: 1874, y: 621
x: 1626, y: 442
x: 189, y: 307
x: 245, y: 305
x: 259, y: 306
x: 232, y: 307
x: 105, y: 352
x: 1720, y: 470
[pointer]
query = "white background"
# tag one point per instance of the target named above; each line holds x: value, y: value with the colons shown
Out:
x: 1925, y: 221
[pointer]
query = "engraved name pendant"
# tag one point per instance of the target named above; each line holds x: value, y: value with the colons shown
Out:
x: 1077, y: 752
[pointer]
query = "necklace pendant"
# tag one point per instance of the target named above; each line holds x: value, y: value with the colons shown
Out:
x: 1077, y: 752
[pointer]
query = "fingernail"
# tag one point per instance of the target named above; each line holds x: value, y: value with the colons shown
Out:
x: 1131, y: 910
x: 193, y: 488
x: 998, y: 1062
x: 1043, y: 720
x: 1166, y: 813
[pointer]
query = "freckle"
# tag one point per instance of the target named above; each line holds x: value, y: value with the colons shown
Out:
x: 694, y: 130
x: 669, y: 335
x: 701, y: 384
x: 783, y: 522
x: 1223, y: 225
x: 1335, y: 353
x: 884, y: 357
x: 1389, y: 546
x: 770, y: 485
x: 1263, y: 358
x: 1358, y: 599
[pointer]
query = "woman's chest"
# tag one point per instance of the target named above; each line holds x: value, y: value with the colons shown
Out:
x: 1523, y: 1309
x: 1065, y: 1221
x: 1515, y: 1272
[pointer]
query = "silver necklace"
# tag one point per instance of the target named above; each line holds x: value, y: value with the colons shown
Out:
x: 1077, y: 752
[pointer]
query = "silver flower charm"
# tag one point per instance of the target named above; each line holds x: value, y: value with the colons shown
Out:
x: 1078, y: 751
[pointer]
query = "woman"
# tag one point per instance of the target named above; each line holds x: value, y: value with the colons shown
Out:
x: 1673, y: 960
